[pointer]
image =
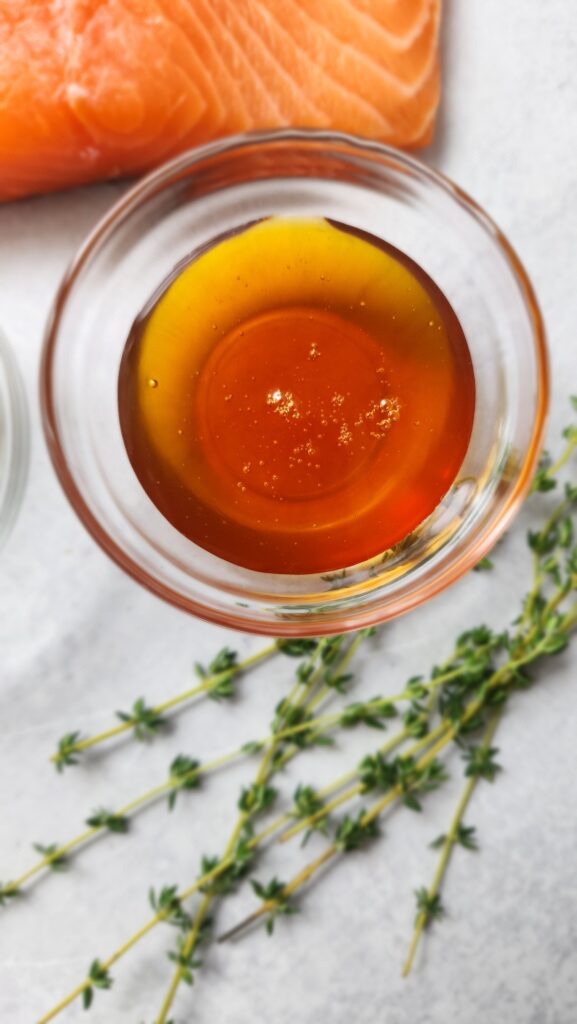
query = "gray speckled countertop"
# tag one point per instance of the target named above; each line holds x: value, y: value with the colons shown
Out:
x: 79, y: 639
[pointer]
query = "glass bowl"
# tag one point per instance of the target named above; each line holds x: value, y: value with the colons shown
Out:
x: 216, y: 189
x: 14, y: 439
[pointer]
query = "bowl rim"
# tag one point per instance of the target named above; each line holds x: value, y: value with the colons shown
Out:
x: 18, y: 454
x: 152, y: 183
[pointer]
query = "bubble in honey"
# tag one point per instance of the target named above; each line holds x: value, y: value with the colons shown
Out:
x: 345, y: 435
x: 283, y: 403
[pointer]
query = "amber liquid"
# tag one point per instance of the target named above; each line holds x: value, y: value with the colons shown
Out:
x: 298, y: 398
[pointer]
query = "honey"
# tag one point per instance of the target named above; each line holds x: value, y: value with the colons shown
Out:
x: 298, y: 397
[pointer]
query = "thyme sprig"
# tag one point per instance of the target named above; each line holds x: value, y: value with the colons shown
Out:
x: 185, y: 773
x: 146, y: 721
x: 429, y: 906
x: 253, y: 801
x: 480, y: 685
x: 220, y: 875
x: 445, y: 712
x: 273, y: 894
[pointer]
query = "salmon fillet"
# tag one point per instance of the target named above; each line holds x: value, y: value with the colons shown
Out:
x: 93, y: 89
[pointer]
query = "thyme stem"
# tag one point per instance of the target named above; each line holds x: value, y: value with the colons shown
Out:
x: 447, y: 849
x: 206, y: 685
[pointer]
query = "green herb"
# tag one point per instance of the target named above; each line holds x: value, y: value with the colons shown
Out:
x: 354, y: 832
x: 185, y: 959
x: 225, y: 660
x: 484, y: 565
x: 168, y: 905
x: 252, y: 747
x: 308, y: 804
x: 8, y: 891
x: 99, y: 978
x: 465, y: 836
x: 440, y: 713
x: 219, y: 674
x: 108, y: 819
x: 429, y: 904
x: 257, y: 798
x: 296, y: 648
x: 481, y: 762
x: 146, y: 721
x: 226, y: 875
x: 373, y: 713
x: 67, y: 751
x: 429, y: 908
x: 53, y: 856
x: 254, y: 800
x: 274, y: 896
x: 483, y: 683
x: 184, y: 774
x: 376, y: 773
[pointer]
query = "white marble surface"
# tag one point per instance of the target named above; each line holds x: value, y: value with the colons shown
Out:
x: 78, y: 639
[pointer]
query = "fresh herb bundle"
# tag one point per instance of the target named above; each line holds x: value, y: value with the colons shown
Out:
x: 457, y: 708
